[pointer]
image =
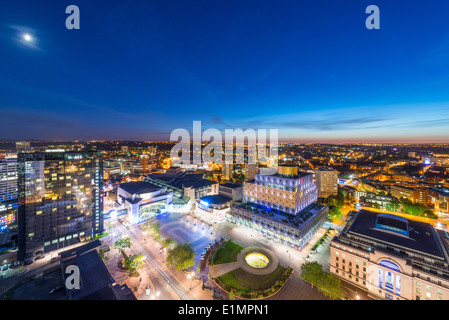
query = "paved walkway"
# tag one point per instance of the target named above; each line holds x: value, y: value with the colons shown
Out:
x: 297, y: 289
x: 221, y: 269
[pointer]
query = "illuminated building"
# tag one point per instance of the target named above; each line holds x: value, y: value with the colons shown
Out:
x: 152, y: 150
x: 143, y: 161
x: 327, y: 182
x: 23, y: 146
x: 143, y: 200
x: 381, y: 202
x: 213, y: 208
x: 184, y: 186
x: 282, y: 207
x: 391, y: 257
x: 231, y: 190
x: 440, y: 161
x: 60, y: 199
x: 289, y: 191
x: 251, y: 169
x: 440, y: 198
x: 8, y: 191
x: 420, y: 195
x: 109, y: 171
x: 227, y: 171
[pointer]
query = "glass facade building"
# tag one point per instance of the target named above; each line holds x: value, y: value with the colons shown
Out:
x: 8, y: 191
x: 60, y: 200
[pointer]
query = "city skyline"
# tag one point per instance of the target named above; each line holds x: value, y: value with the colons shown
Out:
x: 139, y: 71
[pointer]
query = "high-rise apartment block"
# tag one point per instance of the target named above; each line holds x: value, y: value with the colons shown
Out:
x: 327, y: 181
x: 8, y: 191
x: 227, y: 171
x: 251, y: 169
x: 60, y: 200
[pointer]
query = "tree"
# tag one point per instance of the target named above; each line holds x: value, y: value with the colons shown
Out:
x: 231, y: 294
x: 325, y: 282
x: 153, y: 228
x: 181, y: 257
x: 133, y: 263
x: 417, y: 209
x: 311, y: 272
x: 169, y: 243
x: 394, y: 206
x: 123, y: 244
x: 334, y: 212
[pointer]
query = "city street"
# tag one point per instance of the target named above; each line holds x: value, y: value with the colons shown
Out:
x: 170, y: 284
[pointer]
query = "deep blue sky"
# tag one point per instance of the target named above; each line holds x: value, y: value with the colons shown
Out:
x: 139, y: 69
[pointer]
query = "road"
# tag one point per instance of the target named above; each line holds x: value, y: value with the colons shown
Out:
x: 163, y: 279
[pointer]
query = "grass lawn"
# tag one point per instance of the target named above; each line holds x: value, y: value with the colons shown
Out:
x: 244, y: 281
x: 227, y: 253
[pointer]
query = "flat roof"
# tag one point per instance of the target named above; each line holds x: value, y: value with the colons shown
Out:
x: 231, y: 185
x: 139, y: 187
x: 421, y: 237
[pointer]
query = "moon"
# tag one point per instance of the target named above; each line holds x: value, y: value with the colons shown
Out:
x: 27, y: 37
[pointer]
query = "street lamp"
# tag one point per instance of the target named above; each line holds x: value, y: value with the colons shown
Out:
x: 191, y: 276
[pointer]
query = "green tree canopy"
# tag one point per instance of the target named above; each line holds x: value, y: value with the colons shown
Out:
x: 134, y: 262
x: 123, y: 244
x: 326, y: 283
x: 181, y: 257
x: 169, y: 243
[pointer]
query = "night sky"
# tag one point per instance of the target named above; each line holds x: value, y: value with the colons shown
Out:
x: 138, y: 69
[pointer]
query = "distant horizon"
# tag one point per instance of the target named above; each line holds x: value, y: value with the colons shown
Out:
x: 280, y: 141
x: 312, y: 70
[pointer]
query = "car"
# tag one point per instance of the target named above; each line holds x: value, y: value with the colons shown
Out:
x: 18, y: 262
x: 54, y: 290
x: 5, y: 267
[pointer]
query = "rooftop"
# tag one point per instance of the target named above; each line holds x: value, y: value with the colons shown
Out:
x: 397, y: 231
x: 231, y: 185
x: 139, y: 187
x: 216, y: 199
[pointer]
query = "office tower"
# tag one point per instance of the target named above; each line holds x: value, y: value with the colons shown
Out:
x: 251, y: 169
x: 22, y: 146
x: 327, y: 181
x: 60, y: 200
x: 8, y: 191
x: 143, y: 161
x: 227, y: 171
